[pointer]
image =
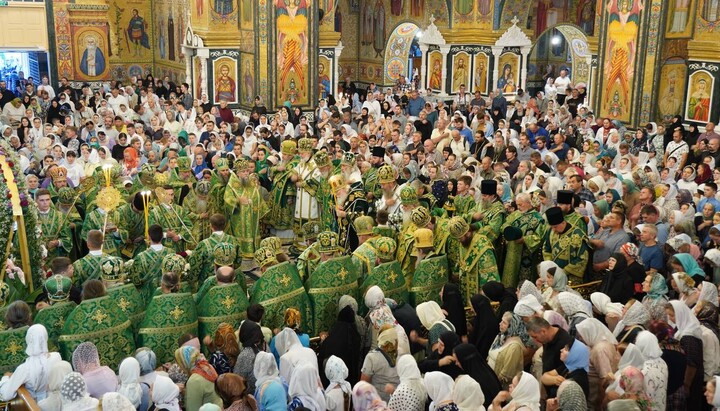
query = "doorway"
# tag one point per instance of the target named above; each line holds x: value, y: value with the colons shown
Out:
x: 17, y: 66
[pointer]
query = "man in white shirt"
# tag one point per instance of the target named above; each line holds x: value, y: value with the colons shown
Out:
x: 75, y: 171
x: 116, y: 99
x: 561, y: 84
x: 372, y: 105
x: 46, y: 87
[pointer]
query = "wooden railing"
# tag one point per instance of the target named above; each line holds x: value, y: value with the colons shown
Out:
x: 23, y: 401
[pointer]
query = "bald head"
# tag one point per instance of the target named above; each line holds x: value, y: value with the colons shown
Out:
x: 225, y: 274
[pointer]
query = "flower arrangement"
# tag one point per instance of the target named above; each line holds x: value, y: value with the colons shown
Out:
x: 7, y: 224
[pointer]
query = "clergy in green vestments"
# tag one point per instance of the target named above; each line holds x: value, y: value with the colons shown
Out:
x: 68, y: 210
x: 146, y: 269
x: 53, y: 314
x: 566, y: 245
x: 133, y: 222
x: 365, y: 255
x: 226, y: 302
x: 202, y: 260
x: 173, y: 219
x: 310, y: 256
x: 88, y: 267
x: 477, y: 264
x: 56, y: 234
x: 431, y: 272
x: 111, y: 222
x: 283, y: 192
x: 124, y: 294
x: 245, y: 207
x: 387, y: 273
x: 524, y: 232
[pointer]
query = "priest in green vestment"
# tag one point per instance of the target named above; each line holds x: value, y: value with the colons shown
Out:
x: 201, y: 259
x: 173, y: 219
x: 409, y: 203
x: 225, y: 302
x: 125, y: 295
x: 218, y: 183
x: 67, y: 207
x: 169, y: 316
x: 323, y: 192
x: 477, y: 263
x: 431, y: 272
x: 351, y: 202
x: 333, y: 277
x: 387, y: 273
x: 53, y: 315
x: 56, y: 234
x: 283, y: 192
x: 305, y: 177
x: 365, y: 255
x: 133, y: 222
x: 175, y: 263
x: 99, y: 320
x: 278, y: 289
x: 310, y: 256
x: 244, y: 207
x: 463, y: 201
x: 88, y: 267
x: 567, y: 202
x: 566, y: 245
x: 490, y: 216
x: 197, y: 206
x: 115, y: 234
x: 146, y: 269
x: 524, y: 231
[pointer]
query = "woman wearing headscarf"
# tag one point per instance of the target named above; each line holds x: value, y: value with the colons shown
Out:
x: 632, y: 382
x: 366, y: 398
x: 269, y: 392
x: 654, y: 369
x: 633, y: 321
x: 34, y: 372
x: 631, y: 193
x: 617, y: 283
x: 686, y: 263
x: 339, y: 390
x: 439, y: 388
x: 380, y: 315
x: 130, y: 163
x: 224, y: 349
x: 165, y: 394
x: 604, y: 358
x: 148, y: 362
x: 469, y: 359
x: 655, y: 289
x: 712, y: 394
x: 577, y: 363
x: 467, y: 394
x: 130, y: 386
x: 410, y: 394
x: 484, y: 326
x: 113, y: 401
x: 570, y: 396
x: 433, y: 319
x: 689, y: 333
x: 576, y: 310
x: 442, y: 359
x: 452, y: 304
x: 524, y: 395
x: 58, y: 371
x: 99, y: 378
x: 507, y: 352
x: 684, y: 285
x: 379, y: 367
x: 74, y: 394
x: 496, y: 292
x: 674, y: 356
x: 344, y: 342
x: 292, y: 353
x: 233, y: 391
x: 252, y: 340
x: 611, y: 196
x: 555, y: 281
x: 200, y: 387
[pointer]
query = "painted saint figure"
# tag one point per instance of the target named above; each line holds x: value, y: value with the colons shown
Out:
x: 224, y: 85
x: 711, y: 11
x: 464, y: 6
x: 459, y: 74
x: 223, y: 7
x: 93, y: 59
x: 699, y: 103
x: 396, y: 7
x: 292, y: 22
x: 248, y: 82
x: 324, y: 81
x: 435, y: 82
x: 481, y: 76
x: 622, y: 34
x: 506, y: 78
x: 137, y: 34
x: 379, y: 28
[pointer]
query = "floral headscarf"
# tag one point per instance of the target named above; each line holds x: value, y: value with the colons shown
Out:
x: 658, y: 287
x: 192, y: 362
x: 366, y: 398
x: 633, y: 382
x: 516, y: 328
x: 528, y: 288
x: 637, y: 314
x: 337, y: 373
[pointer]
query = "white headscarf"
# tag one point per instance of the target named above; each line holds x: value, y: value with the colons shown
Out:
x: 58, y: 371
x: 632, y: 357
x: 468, y: 395
x: 304, y: 385
x: 637, y: 314
x: 286, y: 340
x: 410, y: 392
x: 593, y: 331
x: 573, y: 304
x: 265, y: 368
x: 685, y: 321
x: 716, y: 397
x: 337, y: 372
x: 165, y: 393
x: 528, y: 288
x: 429, y: 314
x: 526, y: 393
x: 129, y: 374
x: 527, y: 306
x: 36, y: 340
x: 648, y: 344
x: 75, y: 396
x: 113, y: 401
x: 439, y: 387
x: 709, y: 293
x: 604, y: 305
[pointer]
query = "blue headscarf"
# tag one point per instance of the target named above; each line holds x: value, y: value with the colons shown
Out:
x: 507, y: 193
x: 578, y: 357
x: 689, y: 264
x: 658, y: 287
x: 615, y: 196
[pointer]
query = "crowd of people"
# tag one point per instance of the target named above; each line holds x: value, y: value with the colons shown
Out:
x: 192, y: 252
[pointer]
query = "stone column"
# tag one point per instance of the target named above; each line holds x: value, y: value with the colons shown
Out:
x: 189, y: 78
x: 444, y: 50
x: 525, y: 51
x: 336, y: 71
x: 204, y: 54
x: 496, y: 51
x: 423, y: 65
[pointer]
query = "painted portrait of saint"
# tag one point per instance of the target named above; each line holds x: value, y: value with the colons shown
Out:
x: 509, y: 75
x: 672, y: 84
x: 93, y: 61
x: 248, y: 79
x: 461, y: 70
x: 224, y: 76
x: 324, y: 72
x: 137, y: 33
x: 699, y: 102
x: 435, y: 71
x: 481, y: 73
x: 292, y: 45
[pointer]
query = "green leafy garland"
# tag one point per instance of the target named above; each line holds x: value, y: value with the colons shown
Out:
x: 30, y: 213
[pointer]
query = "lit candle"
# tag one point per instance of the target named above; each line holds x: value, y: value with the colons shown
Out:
x: 146, y: 199
x: 106, y: 171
